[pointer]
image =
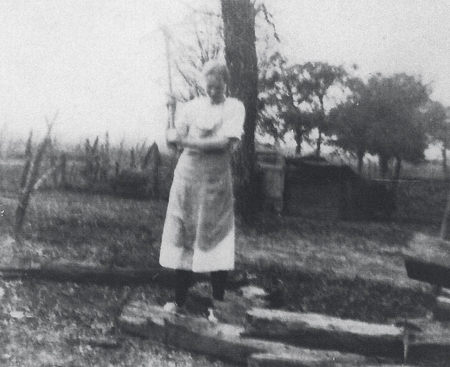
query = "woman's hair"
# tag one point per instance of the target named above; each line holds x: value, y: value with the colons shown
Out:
x: 217, y: 68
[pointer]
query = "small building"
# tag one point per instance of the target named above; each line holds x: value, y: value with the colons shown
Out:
x: 271, y: 167
x: 314, y: 188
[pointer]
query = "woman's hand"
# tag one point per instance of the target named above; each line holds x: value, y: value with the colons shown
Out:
x: 212, y: 143
x: 172, y: 137
x: 206, y: 133
x: 171, y: 101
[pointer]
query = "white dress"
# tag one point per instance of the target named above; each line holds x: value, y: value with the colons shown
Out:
x: 198, y: 232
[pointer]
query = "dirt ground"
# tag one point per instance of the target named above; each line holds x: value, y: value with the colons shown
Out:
x: 350, y: 270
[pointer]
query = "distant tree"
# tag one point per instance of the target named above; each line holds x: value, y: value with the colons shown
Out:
x: 318, y: 78
x: 397, y: 131
x: 351, y: 124
x: 384, y: 117
x: 279, y: 104
x: 437, y: 119
x: 294, y: 95
x: 28, y: 159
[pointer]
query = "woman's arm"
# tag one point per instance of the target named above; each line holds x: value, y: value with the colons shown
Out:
x: 209, y: 143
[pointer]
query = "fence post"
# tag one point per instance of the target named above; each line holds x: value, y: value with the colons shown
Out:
x: 63, y: 168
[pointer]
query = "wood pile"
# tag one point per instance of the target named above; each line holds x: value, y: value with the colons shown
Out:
x: 278, y: 338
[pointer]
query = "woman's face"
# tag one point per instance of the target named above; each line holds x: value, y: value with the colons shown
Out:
x: 215, y: 88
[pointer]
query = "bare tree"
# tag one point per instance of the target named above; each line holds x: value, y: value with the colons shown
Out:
x: 32, y: 180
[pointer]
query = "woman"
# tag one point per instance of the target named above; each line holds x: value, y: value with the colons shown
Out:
x: 198, y: 233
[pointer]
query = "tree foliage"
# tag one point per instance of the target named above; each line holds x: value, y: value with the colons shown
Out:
x: 293, y: 97
x: 436, y: 116
x: 384, y: 118
x: 437, y: 119
x: 351, y: 124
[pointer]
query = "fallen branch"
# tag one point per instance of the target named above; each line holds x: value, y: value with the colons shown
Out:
x: 101, y: 342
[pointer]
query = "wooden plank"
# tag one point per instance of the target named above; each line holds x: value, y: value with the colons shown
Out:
x: 445, y: 292
x: 273, y: 360
x: 428, y: 260
x: 442, y: 309
x: 432, y: 343
x: 325, y: 332
x: 223, y: 341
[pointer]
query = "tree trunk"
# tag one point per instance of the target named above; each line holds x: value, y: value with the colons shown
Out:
x: 320, y: 127
x: 397, y: 169
x: 396, y: 177
x: 240, y: 53
x: 360, y: 156
x: 384, y: 165
x: 63, y: 170
x: 444, y: 159
x: 298, y: 136
x: 319, y: 143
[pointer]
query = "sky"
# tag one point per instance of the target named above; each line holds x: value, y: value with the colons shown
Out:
x: 102, y: 64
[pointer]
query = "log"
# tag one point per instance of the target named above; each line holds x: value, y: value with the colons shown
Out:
x: 325, y: 332
x: 223, y: 341
x: 84, y: 272
x: 428, y: 260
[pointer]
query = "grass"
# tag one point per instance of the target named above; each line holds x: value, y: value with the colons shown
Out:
x: 345, y: 269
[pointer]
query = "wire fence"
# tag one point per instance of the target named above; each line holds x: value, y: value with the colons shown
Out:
x: 421, y: 200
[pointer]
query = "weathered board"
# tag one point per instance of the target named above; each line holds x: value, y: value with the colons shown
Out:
x: 223, y: 341
x: 428, y: 259
x: 442, y: 308
x: 325, y: 332
x: 273, y: 360
x: 432, y: 343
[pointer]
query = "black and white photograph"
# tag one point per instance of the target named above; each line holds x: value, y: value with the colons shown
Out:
x: 220, y: 183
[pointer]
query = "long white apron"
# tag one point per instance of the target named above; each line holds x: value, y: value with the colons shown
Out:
x: 199, y: 233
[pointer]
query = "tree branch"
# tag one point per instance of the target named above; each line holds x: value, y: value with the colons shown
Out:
x: 204, y: 12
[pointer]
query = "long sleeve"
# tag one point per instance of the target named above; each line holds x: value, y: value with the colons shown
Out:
x: 182, y: 120
x: 234, y: 116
